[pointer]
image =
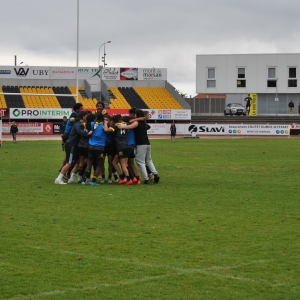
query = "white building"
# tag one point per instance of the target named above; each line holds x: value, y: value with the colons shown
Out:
x: 235, y: 76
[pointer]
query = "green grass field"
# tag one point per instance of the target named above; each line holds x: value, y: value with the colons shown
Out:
x: 223, y: 223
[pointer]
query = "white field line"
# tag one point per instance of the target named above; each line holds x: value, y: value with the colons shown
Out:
x: 212, y: 271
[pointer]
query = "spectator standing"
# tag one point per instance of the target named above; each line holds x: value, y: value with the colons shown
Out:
x: 173, y: 132
x: 291, y: 107
x: 13, y: 131
x: 299, y: 108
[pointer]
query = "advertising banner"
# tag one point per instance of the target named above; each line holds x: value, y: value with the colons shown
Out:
x: 25, y: 72
x: 128, y: 73
x: 29, y: 128
x: 152, y: 74
x: 120, y: 73
x: 4, y: 112
x: 110, y: 74
x: 253, y: 129
x: 170, y: 114
x: 134, y: 73
x: 39, y: 113
x: 189, y: 130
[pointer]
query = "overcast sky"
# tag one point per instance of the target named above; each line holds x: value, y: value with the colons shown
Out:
x: 146, y: 33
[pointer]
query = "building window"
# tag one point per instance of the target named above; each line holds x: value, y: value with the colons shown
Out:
x: 211, y: 77
x: 271, y: 82
x: 241, y: 81
x: 241, y: 73
x: 292, y: 81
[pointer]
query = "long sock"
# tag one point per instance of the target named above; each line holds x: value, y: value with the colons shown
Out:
x: 87, y: 174
x: 131, y: 174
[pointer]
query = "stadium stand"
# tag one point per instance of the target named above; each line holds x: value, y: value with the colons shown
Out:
x: 142, y: 98
x: 13, y: 101
x: 65, y: 102
x: 86, y: 102
x: 118, y: 97
x: 39, y: 101
x: 157, y: 97
x: 133, y: 98
x: 2, y: 99
x: 118, y: 100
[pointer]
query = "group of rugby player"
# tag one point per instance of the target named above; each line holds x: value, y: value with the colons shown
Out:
x: 89, y: 138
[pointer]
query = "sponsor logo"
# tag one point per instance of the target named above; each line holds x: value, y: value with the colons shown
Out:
x: 48, y: 128
x: 192, y: 128
x: 88, y: 70
x: 5, y: 72
x: 40, y: 72
x: 63, y: 72
x: 110, y: 72
x: 129, y: 74
x: 151, y: 71
x: 39, y: 113
x: 97, y: 74
x: 21, y: 72
x: 212, y: 129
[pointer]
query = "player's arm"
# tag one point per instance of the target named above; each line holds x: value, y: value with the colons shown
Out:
x: 106, y: 128
x: 138, y: 119
x: 131, y: 126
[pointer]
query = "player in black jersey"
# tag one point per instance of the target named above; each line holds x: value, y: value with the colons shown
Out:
x: 120, y: 136
x: 143, y: 147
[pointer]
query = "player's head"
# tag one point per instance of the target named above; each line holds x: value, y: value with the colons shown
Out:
x: 116, y: 118
x: 125, y: 119
x: 90, y: 118
x: 78, y: 107
x: 139, y: 113
x: 99, y: 118
x: 100, y: 106
x: 132, y: 112
x: 82, y: 115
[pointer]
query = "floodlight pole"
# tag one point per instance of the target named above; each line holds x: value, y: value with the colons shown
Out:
x: 100, y: 67
x: 77, y: 51
x: 104, y: 52
x: 276, y: 98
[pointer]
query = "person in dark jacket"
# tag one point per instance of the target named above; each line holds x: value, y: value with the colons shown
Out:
x: 173, y: 132
x: 62, y: 127
x: 291, y: 107
x: 71, y: 146
x: 13, y: 131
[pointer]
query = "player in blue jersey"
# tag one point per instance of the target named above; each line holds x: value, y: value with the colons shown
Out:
x: 96, y: 150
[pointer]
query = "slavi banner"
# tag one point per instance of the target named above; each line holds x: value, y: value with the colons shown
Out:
x: 253, y: 107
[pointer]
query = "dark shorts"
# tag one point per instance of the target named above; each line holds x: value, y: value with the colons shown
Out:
x: 65, y: 137
x: 71, y: 153
x: 123, y: 153
x: 83, y: 151
x: 96, y: 154
x: 131, y: 152
x: 110, y: 150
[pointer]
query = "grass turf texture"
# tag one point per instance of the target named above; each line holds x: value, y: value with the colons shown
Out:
x: 223, y: 223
